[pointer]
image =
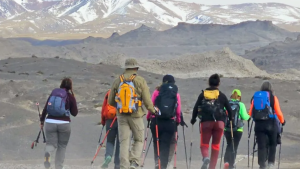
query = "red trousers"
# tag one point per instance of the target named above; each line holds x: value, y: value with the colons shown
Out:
x: 215, y: 130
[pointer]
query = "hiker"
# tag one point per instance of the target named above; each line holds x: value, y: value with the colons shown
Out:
x: 167, y: 99
x: 210, y: 109
x: 173, y: 142
x: 128, y: 92
x: 239, y: 113
x: 265, y: 111
x: 108, y: 113
x: 58, y: 108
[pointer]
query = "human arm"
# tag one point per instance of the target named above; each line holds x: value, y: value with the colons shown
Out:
x: 227, y: 106
x: 278, y: 110
x: 103, y: 110
x: 146, y: 96
x: 243, y: 112
x: 73, y: 105
x: 196, y: 107
x: 44, y: 113
x: 178, y: 109
x: 251, y: 108
x: 153, y: 98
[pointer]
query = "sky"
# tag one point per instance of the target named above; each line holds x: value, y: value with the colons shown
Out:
x: 224, y: 2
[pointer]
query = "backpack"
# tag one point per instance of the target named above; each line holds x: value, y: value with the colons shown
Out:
x: 210, y: 105
x: 109, y: 111
x: 237, y: 122
x: 57, y: 103
x: 262, y: 109
x: 166, y: 101
x: 126, y: 97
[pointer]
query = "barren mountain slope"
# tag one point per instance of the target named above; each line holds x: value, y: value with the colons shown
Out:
x: 277, y: 56
x: 24, y: 81
x: 146, y: 42
x: 103, y: 17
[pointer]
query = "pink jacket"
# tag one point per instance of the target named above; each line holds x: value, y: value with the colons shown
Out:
x: 178, y: 110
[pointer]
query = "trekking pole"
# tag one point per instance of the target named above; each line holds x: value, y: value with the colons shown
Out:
x: 191, y: 147
x: 99, y: 139
x: 249, y: 135
x: 222, y: 153
x: 143, y: 163
x: 186, y: 160
x: 157, y: 143
x: 34, y: 143
x: 101, y: 144
x: 280, y: 149
x: 175, y: 154
x: 254, y: 144
x: 232, y: 140
x: 145, y: 142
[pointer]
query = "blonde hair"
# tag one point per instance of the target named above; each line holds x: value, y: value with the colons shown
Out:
x: 235, y: 96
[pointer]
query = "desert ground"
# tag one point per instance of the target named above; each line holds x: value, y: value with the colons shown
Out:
x: 25, y: 81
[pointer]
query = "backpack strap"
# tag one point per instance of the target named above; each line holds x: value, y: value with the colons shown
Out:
x: 132, y: 77
x: 272, y: 100
x: 122, y: 78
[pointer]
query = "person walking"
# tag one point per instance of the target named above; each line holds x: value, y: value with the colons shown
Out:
x: 239, y: 113
x: 59, y: 106
x: 128, y: 92
x: 173, y: 142
x: 167, y: 99
x: 108, y: 113
x: 266, y: 112
x: 210, y: 109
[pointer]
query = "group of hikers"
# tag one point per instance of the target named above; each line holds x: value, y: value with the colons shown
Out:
x: 122, y: 114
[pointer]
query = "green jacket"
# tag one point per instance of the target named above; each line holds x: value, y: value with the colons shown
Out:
x: 142, y: 91
x: 243, y: 114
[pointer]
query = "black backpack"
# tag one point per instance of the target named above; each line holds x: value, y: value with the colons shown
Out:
x: 210, y: 108
x: 236, y: 122
x: 166, y: 101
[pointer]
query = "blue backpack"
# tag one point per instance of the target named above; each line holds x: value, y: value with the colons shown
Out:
x: 262, y: 109
x: 57, y: 103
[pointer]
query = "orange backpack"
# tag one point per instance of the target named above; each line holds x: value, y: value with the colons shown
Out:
x: 109, y: 111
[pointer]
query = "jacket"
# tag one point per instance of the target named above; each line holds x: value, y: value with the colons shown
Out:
x: 142, y: 91
x: 178, y: 109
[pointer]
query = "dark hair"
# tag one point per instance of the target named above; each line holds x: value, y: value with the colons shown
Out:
x: 214, y: 80
x: 67, y: 84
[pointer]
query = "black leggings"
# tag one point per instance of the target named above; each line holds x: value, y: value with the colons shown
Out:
x: 166, y: 130
x: 266, y: 137
x: 229, y: 155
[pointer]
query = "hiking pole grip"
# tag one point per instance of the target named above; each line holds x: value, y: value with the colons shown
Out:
x: 148, y: 124
x: 32, y: 145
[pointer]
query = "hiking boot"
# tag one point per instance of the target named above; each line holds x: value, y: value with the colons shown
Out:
x: 271, y: 166
x: 106, y: 162
x: 47, y: 160
x: 205, y: 163
x: 133, y: 165
x: 226, y: 165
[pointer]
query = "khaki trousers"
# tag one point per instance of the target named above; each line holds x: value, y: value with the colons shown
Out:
x: 126, y: 125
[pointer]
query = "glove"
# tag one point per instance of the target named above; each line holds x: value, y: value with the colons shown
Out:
x: 182, y: 123
x: 283, y: 123
x: 177, y: 124
x: 193, y: 121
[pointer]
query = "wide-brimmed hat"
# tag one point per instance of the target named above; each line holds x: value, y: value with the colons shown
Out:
x: 131, y: 63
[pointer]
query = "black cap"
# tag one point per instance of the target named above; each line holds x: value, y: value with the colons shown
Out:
x: 168, y: 79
